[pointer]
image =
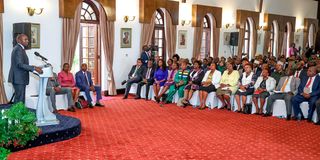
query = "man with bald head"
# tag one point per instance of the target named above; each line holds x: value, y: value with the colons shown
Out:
x: 20, y: 68
x: 309, y: 90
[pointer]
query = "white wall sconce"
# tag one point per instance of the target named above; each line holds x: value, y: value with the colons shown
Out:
x: 228, y: 25
x: 32, y: 11
x: 129, y: 18
x: 185, y: 22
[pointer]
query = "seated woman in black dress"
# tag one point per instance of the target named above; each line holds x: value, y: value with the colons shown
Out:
x: 194, y: 83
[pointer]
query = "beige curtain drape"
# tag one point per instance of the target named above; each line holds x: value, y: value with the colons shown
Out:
x: 147, y: 32
x: 3, y: 97
x: 280, y: 43
x: 241, y: 41
x: 70, y: 33
x: 266, y: 43
x: 170, y: 35
x: 107, y: 37
x: 197, y: 41
x: 284, y: 44
x: 254, y: 42
x: 216, y: 41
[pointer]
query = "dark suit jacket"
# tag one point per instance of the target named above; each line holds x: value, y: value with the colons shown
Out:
x: 258, y: 72
x: 303, y: 73
x: 138, y: 74
x: 145, y: 58
x: 81, y: 80
x: 315, y: 86
x: 20, y: 68
x: 144, y: 74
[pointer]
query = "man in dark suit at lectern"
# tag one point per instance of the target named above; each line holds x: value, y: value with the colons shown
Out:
x: 20, y: 68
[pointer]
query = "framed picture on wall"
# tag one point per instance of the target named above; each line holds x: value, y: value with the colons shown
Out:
x: 35, y: 35
x: 226, y: 38
x: 182, y: 39
x: 125, y: 37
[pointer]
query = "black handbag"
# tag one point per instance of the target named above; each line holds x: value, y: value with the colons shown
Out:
x: 248, y: 109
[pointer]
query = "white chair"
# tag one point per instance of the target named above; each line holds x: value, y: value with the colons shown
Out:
x: 143, y: 92
x: 304, y: 108
x: 61, y: 102
x: 212, y: 100
x: 195, y: 100
x: 235, y: 105
x: 279, y: 108
x: 133, y: 89
x: 264, y: 106
x: 82, y: 93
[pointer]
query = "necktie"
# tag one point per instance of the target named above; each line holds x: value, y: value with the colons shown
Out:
x: 309, y: 82
x: 148, y: 73
x: 285, y: 84
x: 86, y: 79
x: 297, y: 74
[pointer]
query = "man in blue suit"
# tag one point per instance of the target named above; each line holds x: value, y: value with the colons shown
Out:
x: 20, y: 68
x: 84, y: 83
x: 309, y: 90
x: 145, y: 55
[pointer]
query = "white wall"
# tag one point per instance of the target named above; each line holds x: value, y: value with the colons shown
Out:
x: 15, y: 11
x: 50, y: 35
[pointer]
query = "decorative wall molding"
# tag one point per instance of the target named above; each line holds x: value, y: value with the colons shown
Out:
x: 281, y: 20
x: 243, y: 15
x: 199, y: 11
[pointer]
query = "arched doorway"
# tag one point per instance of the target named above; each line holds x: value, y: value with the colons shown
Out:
x: 88, y: 47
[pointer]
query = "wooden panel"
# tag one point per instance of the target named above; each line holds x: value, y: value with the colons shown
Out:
x: 67, y: 8
x: 243, y: 15
x: 1, y: 6
x: 308, y: 22
x: 148, y: 7
x: 280, y: 19
x: 199, y: 11
x: 110, y: 8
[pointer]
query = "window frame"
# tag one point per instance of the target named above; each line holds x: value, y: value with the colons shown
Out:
x: 206, y: 37
x: 159, y: 27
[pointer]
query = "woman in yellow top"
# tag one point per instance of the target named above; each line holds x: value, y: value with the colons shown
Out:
x: 228, y: 85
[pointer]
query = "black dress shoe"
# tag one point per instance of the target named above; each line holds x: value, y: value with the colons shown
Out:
x: 137, y: 97
x: 318, y: 123
x: 288, y: 117
x: 71, y: 109
x: 90, y: 105
x: 266, y: 115
x: 309, y: 120
x: 99, y: 105
x: 125, y: 97
x: 123, y: 82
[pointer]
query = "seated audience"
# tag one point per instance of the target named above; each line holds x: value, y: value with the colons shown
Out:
x: 195, y: 79
x: 160, y: 77
x: 256, y: 68
x: 180, y: 80
x: 84, y: 83
x: 221, y: 66
x: 210, y: 83
x: 147, y: 79
x: 286, y: 89
x: 228, y: 85
x: 66, y: 79
x: 309, y: 90
x: 176, y: 58
x: 54, y: 88
x: 300, y: 71
x: 246, y: 87
x: 278, y: 72
x: 169, y: 82
x: 134, y: 76
x: 169, y: 63
x: 263, y: 86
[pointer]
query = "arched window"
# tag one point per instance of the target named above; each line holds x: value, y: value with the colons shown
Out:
x: 311, y: 35
x: 206, y: 37
x: 271, y: 43
x: 88, y: 49
x: 158, y: 39
x: 246, y: 46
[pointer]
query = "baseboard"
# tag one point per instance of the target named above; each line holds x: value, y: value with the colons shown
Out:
x: 119, y: 91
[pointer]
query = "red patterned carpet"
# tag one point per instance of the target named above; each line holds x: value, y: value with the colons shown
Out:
x: 139, y: 129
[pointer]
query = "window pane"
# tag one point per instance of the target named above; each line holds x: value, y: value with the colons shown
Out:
x: 85, y: 31
x: 92, y: 31
x: 160, y: 34
x: 91, y: 42
x: 91, y: 53
x: 84, y: 42
x: 84, y: 53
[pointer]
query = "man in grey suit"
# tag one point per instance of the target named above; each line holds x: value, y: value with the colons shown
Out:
x: 20, y: 68
x: 287, y: 87
x: 54, y: 88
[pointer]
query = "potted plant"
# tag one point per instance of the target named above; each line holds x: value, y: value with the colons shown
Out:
x: 17, y: 127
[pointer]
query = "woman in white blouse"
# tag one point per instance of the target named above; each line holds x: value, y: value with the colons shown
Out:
x: 245, y: 87
x: 210, y: 83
